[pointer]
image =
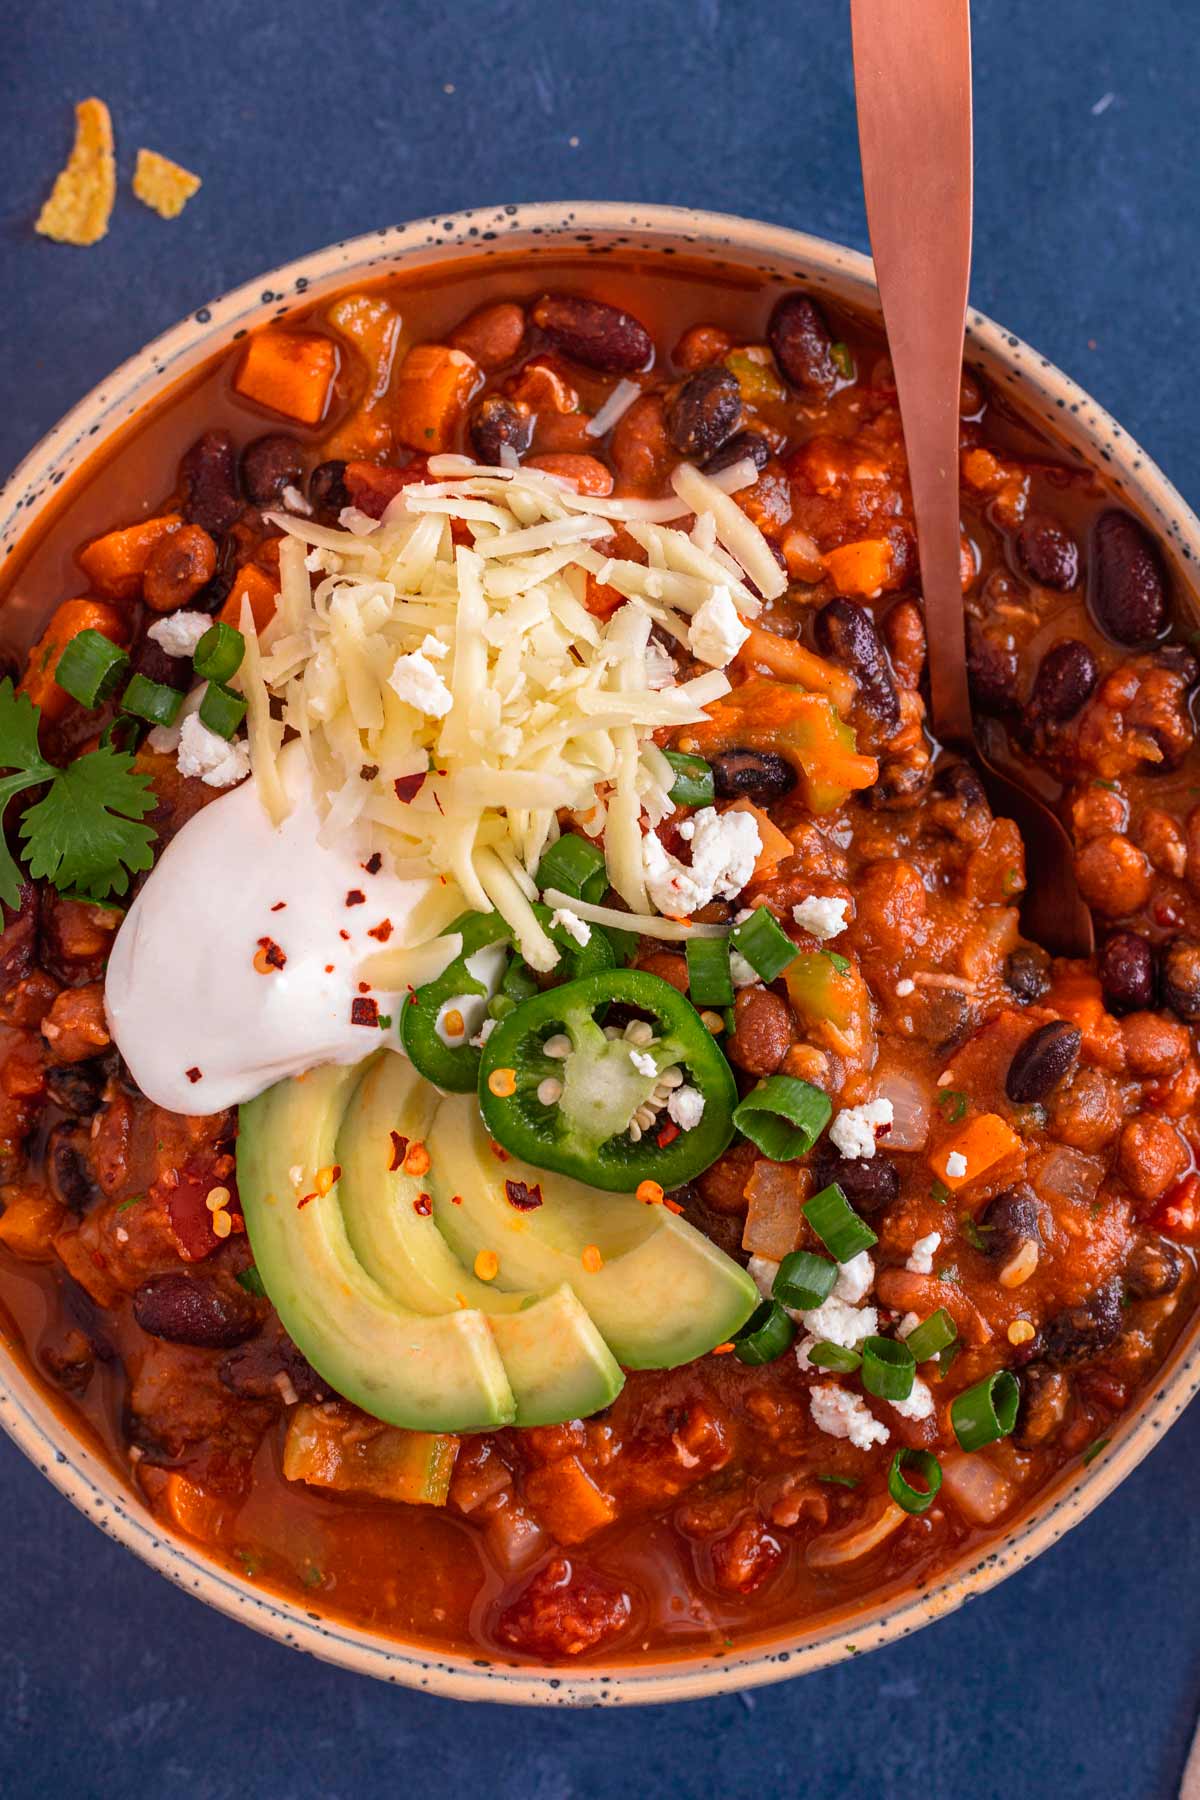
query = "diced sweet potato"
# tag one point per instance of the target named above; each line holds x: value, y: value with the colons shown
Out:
x: 72, y: 617
x: 773, y: 845
x: 861, y: 568
x: 29, y: 1222
x: 261, y: 591
x: 116, y: 562
x: 289, y: 372
x: 567, y: 1501
x: 432, y: 390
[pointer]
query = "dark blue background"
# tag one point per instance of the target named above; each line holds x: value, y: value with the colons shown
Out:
x: 323, y: 118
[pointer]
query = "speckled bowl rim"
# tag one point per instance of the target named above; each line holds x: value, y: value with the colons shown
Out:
x: 1043, y: 393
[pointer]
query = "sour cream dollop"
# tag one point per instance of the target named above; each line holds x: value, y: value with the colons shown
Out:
x: 195, y: 1003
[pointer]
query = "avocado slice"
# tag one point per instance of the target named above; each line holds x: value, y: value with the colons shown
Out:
x: 557, y: 1363
x: 428, y: 1373
x: 664, y: 1295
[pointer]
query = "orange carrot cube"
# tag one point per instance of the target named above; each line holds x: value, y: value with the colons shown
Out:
x: 115, y: 563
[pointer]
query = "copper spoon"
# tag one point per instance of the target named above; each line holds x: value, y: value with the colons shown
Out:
x: 912, y: 77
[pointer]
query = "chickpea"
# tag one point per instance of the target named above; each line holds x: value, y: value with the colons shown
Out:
x: 1114, y: 875
x: 1152, y: 1156
x: 1154, y: 1045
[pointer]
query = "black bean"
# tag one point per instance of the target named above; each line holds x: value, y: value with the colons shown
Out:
x: 498, y: 424
x: 1042, y: 1061
x: 1181, y: 978
x: 595, y: 334
x: 1049, y: 552
x: 151, y: 660
x: 1082, y: 1332
x: 869, y: 1183
x: 210, y: 478
x: 253, y: 1371
x: 802, y: 345
x: 991, y: 670
x: 1127, y: 973
x: 1008, y: 1221
x: 846, y: 632
x: 77, y: 1087
x: 760, y: 774
x: 327, y: 491
x: 705, y: 412
x: 1154, y: 1268
x: 69, y: 1169
x: 743, y: 444
x: 1128, y: 588
x: 1045, y: 1397
x: 1027, y: 972
x: 1066, y: 678
x: 270, y: 464
x: 961, y: 782
x: 215, y: 592
x: 189, y: 1309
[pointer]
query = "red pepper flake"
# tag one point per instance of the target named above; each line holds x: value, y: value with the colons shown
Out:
x: 279, y: 906
x: 456, y: 1199
x: 373, y: 863
x: 673, y: 1206
x: 268, y: 956
x: 193, y: 1075
x: 364, y: 987
x: 439, y: 805
x: 344, y: 934
x: 409, y: 786
x: 381, y: 932
x: 523, y: 1197
x: 356, y: 897
x: 304, y: 1200
x: 365, y: 1012
x: 329, y: 968
x: 423, y: 1205
x: 668, y: 1134
x: 399, y: 1152
x: 368, y: 772
x: 498, y: 1151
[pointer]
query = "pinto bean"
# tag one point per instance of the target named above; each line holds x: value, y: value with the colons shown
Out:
x: 1128, y: 588
x: 75, y: 1027
x: 498, y: 424
x: 1181, y: 978
x: 640, y: 448
x: 1027, y: 972
x: 760, y: 774
x: 1154, y: 1045
x: 1045, y: 1397
x: 491, y: 335
x: 701, y: 345
x: 1042, y: 1061
x: 846, y: 632
x: 1127, y: 973
x: 327, y: 491
x: 1066, y: 678
x: 77, y: 1087
x: 991, y: 670
x: 209, y: 474
x: 1154, y: 1268
x: 1082, y: 1332
x: 1150, y: 1156
x: 189, y: 1309
x: 763, y: 1031
x: 270, y: 464
x: 1049, y: 552
x: 1114, y: 876
x: 178, y: 567
x: 802, y: 345
x: 742, y: 444
x: 668, y: 966
x: 705, y: 412
x: 594, y: 333
x: 213, y: 595
x: 869, y: 1183
x: 723, y: 1184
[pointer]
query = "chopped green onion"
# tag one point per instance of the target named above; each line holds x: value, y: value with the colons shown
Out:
x: 836, y: 1357
x: 847, y: 1481
x: 841, y: 356
x: 500, y: 1005
x: 974, y: 1234
x: 783, y: 1117
x: 709, y: 980
x: 987, y: 1411
x: 252, y: 1281
x: 947, y: 1357
x: 575, y: 866
x: 1093, y: 1450
x: 221, y: 709
x: 90, y: 668
x: 767, y: 1333
x: 888, y: 1368
x: 219, y: 653
x: 953, y: 1103
x: 835, y: 1222
x: 804, y: 1280
x: 924, y: 1464
x: 693, y: 785
x: 517, y: 982
x: 932, y: 1335
x: 152, y: 700
x: 764, y: 945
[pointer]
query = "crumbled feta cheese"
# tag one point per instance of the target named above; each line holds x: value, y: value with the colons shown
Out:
x: 572, y: 924
x: 854, y: 1279
x: 920, y: 1260
x: 315, y: 560
x: 908, y: 1323
x: 725, y: 848
x: 905, y: 988
x: 853, y: 1131
x: 643, y: 1062
x: 295, y: 502
x: 956, y: 1165
x: 824, y: 918
x: 834, y: 1322
x: 218, y: 761
x: 416, y: 681
x: 660, y: 667
x: 919, y: 1404
x: 686, y: 1107
x: 717, y: 633
x: 484, y: 1033
x: 842, y: 1414
x: 357, y: 522
x: 433, y: 647
x: 742, y: 973
x: 179, y: 633
x: 762, y: 1272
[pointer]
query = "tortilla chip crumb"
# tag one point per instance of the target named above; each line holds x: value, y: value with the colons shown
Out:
x: 81, y: 201
x: 162, y: 185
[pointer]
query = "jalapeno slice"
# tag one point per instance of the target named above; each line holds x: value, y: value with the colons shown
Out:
x: 454, y: 1067
x: 565, y: 1092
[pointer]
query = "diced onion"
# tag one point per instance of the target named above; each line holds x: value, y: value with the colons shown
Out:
x: 910, y: 1110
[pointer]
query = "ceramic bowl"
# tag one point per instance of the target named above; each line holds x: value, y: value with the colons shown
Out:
x: 1043, y: 394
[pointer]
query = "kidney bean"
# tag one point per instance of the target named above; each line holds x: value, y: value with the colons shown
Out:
x: 763, y: 1031
x: 743, y: 444
x: 327, y: 491
x: 1127, y: 972
x: 1154, y: 1268
x: 1027, y: 972
x: 1066, y: 678
x: 1008, y: 1221
x: 210, y: 478
x: 1042, y: 1061
x: 593, y: 333
x: 491, y: 335
x: 705, y: 412
x: 178, y: 567
x: 760, y: 774
x: 252, y: 1372
x: 1049, y: 552
x: 991, y: 670
x: 846, y: 632
x: 498, y: 424
x: 1082, y: 1332
x: 869, y: 1183
x: 77, y: 1087
x: 188, y: 1309
x: 1180, y: 967
x: 1045, y: 1397
x: 802, y: 346
x: 1128, y: 588
x: 270, y: 464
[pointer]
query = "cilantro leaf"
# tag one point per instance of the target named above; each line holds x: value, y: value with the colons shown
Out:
x: 87, y: 832
x: 19, y: 752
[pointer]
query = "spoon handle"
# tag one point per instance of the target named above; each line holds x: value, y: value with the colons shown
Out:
x: 912, y: 76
